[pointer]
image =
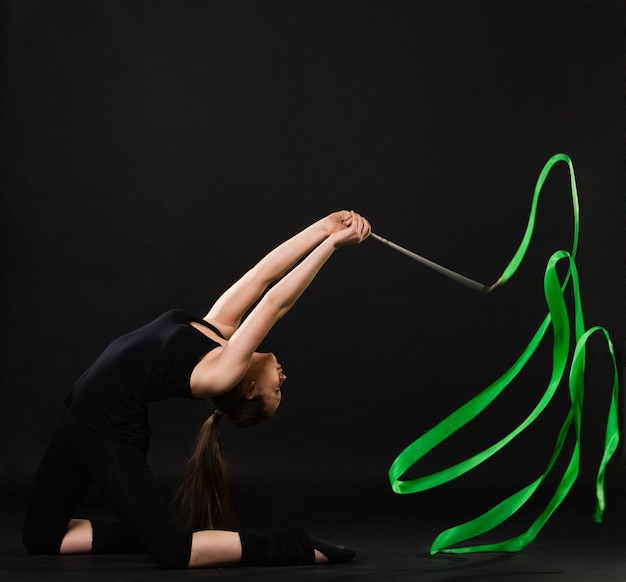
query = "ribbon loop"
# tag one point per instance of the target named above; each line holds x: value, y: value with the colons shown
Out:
x: 559, y: 319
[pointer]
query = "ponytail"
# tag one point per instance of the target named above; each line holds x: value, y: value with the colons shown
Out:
x: 202, y: 499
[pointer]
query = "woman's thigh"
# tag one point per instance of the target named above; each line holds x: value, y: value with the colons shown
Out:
x: 59, y: 486
x: 121, y: 472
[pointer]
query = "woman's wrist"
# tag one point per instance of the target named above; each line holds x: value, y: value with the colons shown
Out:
x: 332, y: 242
x: 333, y: 222
x: 325, y: 226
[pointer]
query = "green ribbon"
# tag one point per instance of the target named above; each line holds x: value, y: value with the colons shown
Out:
x: 559, y: 319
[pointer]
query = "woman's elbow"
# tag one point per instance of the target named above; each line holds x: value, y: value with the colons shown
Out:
x: 277, y: 303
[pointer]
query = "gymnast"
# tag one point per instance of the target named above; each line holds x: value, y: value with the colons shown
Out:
x: 104, y: 435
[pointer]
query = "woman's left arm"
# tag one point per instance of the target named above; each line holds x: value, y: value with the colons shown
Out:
x: 232, y: 361
x: 233, y: 304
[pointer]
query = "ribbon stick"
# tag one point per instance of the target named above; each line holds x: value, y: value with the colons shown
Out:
x: 523, y: 247
x: 559, y: 319
x: 443, y: 270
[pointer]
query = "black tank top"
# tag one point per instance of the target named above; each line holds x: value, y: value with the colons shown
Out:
x: 151, y: 363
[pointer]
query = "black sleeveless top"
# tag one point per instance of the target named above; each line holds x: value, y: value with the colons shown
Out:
x: 151, y: 363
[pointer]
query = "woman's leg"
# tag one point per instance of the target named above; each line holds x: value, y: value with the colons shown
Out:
x: 76, y: 456
x: 121, y: 473
x: 78, y: 538
x: 223, y: 548
x: 59, y: 486
x: 214, y: 548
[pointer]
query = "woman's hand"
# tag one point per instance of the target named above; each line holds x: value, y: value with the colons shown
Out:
x: 354, y: 229
x: 337, y: 221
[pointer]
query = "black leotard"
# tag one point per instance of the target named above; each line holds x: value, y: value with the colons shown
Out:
x: 151, y: 363
x: 104, y: 441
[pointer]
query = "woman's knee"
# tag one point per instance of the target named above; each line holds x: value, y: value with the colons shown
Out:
x: 173, y: 556
x: 176, y: 559
x: 38, y: 540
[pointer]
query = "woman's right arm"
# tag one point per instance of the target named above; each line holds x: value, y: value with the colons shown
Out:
x: 234, y: 303
x: 231, y: 363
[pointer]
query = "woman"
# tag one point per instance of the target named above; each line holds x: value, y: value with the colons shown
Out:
x: 104, y: 436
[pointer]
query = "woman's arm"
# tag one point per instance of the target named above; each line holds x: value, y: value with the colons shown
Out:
x: 231, y: 362
x: 233, y: 304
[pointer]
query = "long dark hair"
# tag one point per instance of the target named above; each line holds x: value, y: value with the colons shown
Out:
x: 202, y: 501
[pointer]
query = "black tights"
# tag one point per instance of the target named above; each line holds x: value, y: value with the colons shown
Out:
x: 75, y: 458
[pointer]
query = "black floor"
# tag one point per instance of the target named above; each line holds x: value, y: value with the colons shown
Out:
x: 392, y: 545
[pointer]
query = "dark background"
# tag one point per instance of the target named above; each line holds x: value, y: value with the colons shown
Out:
x: 154, y: 150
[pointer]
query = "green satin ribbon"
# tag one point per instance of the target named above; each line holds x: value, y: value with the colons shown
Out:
x: 559, y: 319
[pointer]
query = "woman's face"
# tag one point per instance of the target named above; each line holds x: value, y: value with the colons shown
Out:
x: 268, y: 378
